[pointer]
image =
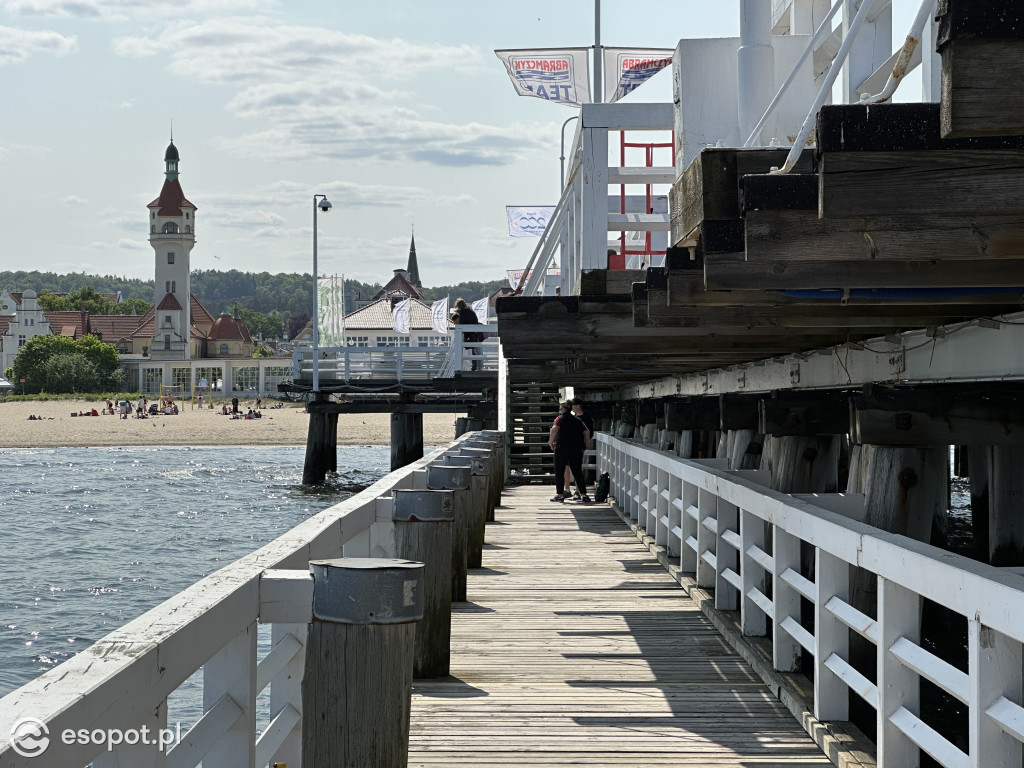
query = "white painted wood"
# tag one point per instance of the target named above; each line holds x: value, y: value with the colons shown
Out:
x: 932, y: 668
x: 928, y: 739
x: 286, y: 596
x: 997, y: 660
x: 802, y: 585
x: 643, y: 175
x: 755, y: 563
x: 831, y: 637
x: 141, y: 755
x: 786, y: 600
x: 762, y: 601
x: 798, y: 633
x: 1008, y: 716
x: 675, y: 516
x: 872, y: 47
x: 707, y: 508
x: 899, y: 613
x: 273, y: 663
x: 203, y: 736
x: 727, y: 593
x: 853, y: 679
x: 279, y: 729
x: 639, y: 222
x: 627, y: 117
x: 594, y: 199
x: 232, y: 673
x: 931, y: 65
x: 286, y: 691
x: 850, y: 505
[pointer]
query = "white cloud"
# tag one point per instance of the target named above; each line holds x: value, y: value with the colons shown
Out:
x: 16, y: 45
x: 108, y: 10
x: 320, y: 93
x: 74, y: 200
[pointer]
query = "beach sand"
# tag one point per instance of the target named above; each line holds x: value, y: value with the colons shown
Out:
x: 279, y: 426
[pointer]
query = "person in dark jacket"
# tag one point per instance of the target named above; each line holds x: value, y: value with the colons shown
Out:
x: 569, y: 438
x: 577, y: 411
x: 463, y: 314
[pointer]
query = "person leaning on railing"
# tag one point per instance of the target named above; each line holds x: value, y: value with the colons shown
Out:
x: 569, y: 438
x: 463, y: 314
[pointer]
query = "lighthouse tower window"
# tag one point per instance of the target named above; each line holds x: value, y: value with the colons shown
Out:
x: 170, y: 228
x: 170, y: 257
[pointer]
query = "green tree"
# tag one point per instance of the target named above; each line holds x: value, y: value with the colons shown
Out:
x: 37, y: 362
x: 87, y: 298
x: 125, y: 307
x: 262, y: 351
x: 260, y: 325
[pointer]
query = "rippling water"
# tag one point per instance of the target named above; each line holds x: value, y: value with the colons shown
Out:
x: 97, y: 536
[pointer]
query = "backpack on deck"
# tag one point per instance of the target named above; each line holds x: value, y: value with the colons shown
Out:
x: 604, y: 483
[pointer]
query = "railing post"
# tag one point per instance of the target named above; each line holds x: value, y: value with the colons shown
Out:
x: 786, y: 600
x: 151, y: 755
x: 594, y: 199
x: 232, y: 673
x: 707, y: 509
x: 995, y: 672
x: 753, y: 622
x: 357, y: 688
x: 286, y: 691
x: 832, y: 579
x: 899, y: 615
x: 690, y: 523
x: 727, y: 557
x: 423, y: 532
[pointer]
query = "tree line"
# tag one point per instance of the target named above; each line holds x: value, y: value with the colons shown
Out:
x: 271, y: 305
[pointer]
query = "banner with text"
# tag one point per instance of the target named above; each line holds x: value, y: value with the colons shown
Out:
x: 331, y: 308
x: 515, y: 276
x: 528, y: 220
x: 626, y: 69
x: 560, y: 75
x: 480, y: 309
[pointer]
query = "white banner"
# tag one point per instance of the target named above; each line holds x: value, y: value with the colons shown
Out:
x: 402, y: 316
x: 515, y: 276
x: 480, y: 309
x: 331, y: 306
x: 626, y: 69
x: 560, y: 75
x: 439, y: 315
x: 528, y: 220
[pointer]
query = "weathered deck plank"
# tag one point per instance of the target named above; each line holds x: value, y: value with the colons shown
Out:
x: 578, y: 649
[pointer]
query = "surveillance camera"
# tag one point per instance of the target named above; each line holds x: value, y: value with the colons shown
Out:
x: 325, y: 205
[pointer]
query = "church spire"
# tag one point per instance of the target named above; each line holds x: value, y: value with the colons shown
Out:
x: 413, y: 269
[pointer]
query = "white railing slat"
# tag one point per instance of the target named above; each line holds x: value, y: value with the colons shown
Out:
x: 859, y: 622
x: 798, y: 633
x: 1008, y: 716
x: 758, y: 598
x: 202, y: 736
x: 732, y: 577
x: 277, y: 731
x: 801, y: 584
x: 693, y: 512
x: 761, y: 557
x: 854, y: 679
x: 709, y: 557
x: 276, y: 660
x: 691, y: 543
x: 732, y: 539
x: 928, y: 739
x: 931, y: 667
x: 711, y: 524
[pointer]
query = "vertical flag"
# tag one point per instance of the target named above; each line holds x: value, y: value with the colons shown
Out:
x: 439, y: 315
x: 402, y: 315
x: 480, y: 309
x: 331, y: 309
x: 626, y: 69
x: 555, y: 74
x: 528, y: 220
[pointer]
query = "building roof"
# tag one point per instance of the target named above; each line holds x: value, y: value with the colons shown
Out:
x: 197, y: 312
x: 171, y: 200
x: 399, y: 285
x: 5, y: 323
x: 110, y: 328
x: 73, y: 324
x: 227, y: 328
x: 413, y: 268
x: 169, y: 302
x: 378, y: 316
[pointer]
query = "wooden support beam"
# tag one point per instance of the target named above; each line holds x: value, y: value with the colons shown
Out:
x: 738, y: 412
x: 953, y: 415
x: 788, y: 236
x: 607, y: 281
x: 982, y: 47
x: 804, y: 414
x: 696, y: 413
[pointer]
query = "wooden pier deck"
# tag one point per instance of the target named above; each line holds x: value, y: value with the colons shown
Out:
x: 577, y: 648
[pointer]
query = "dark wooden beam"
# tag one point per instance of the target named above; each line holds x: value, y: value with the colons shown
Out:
x: 945, y: 415
x: 694, y: 413
x: 605, y: 281
x: 791, y: 235
x: 804, y: 414
x: 982, y: 47
x: 738, y: 411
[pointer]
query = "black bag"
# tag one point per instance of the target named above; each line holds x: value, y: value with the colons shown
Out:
x: 604, y: 483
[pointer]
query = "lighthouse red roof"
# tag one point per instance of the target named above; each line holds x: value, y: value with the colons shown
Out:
x: 171, y: 200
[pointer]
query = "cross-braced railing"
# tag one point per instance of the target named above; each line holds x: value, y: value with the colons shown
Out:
x: 743, y: 541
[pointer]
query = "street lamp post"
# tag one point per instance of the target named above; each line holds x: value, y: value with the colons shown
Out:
x: 324, y: 205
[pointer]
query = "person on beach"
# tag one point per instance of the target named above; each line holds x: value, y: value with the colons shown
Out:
x: 234, y: 405
x: 259, y: 401
x: 569, y: 438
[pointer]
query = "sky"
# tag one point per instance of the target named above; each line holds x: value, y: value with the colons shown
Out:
x: 397, y: 110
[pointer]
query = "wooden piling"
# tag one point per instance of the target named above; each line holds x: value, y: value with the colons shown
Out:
x: 406, y: 438
x: 357, y: 685
x: 1006, y: 497
x: 456, y: 479
x: 423, y: 532
x: 320, y: 444
x: 471, y: 512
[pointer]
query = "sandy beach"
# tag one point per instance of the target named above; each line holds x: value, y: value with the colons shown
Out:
x: 279, y: 426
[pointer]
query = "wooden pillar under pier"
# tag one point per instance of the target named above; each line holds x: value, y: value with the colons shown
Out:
x: 406, y: 438
x: 1006, y: 505
x: 321, y: 444
x: 978, y: 473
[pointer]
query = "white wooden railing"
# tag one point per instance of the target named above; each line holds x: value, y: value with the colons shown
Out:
x: 402, y: 363
x: 121, y: 683
x: 712, y: 523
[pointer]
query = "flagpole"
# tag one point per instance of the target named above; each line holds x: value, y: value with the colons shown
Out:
x: 598, y: 57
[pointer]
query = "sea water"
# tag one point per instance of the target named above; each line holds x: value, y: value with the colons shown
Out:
x: 93, y: 537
